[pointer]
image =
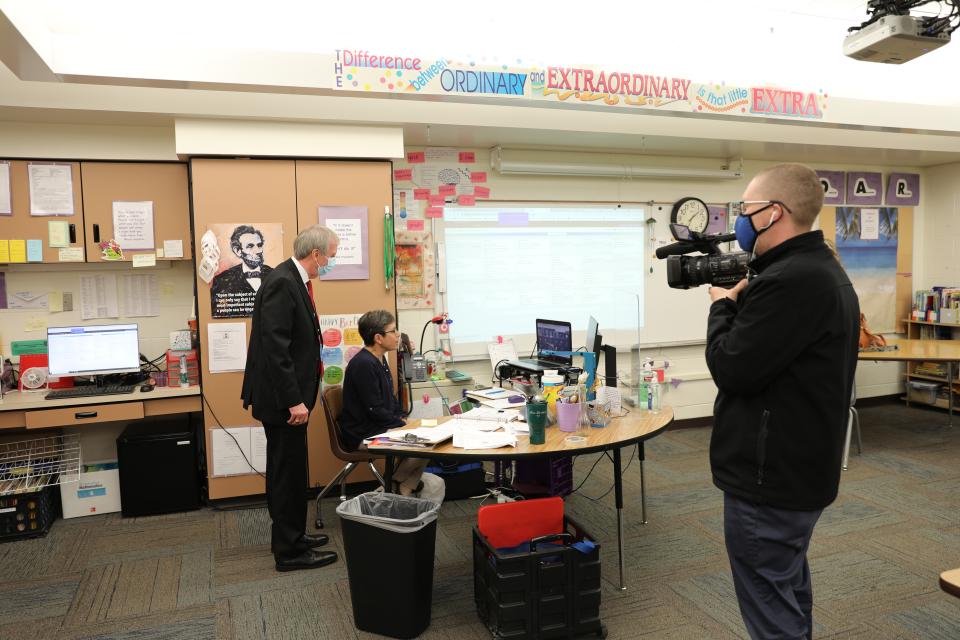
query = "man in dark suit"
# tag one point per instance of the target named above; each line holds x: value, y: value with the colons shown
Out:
x: 281, y: 381
x: 232, y: 290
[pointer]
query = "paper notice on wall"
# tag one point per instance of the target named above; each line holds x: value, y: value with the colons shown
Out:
x: 441, y: 155
x: 258, y: 449
x: 98, y: 297
x: 51, y: 189
x: 228, y: 346
x: 231, y: 451
x: 869, y: 224
x: 172, y: 248
x: 133, y: 225
x: 140, y: 295
x: 5, y: 206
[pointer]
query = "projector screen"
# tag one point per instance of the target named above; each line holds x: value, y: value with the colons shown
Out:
x: 507, y: 265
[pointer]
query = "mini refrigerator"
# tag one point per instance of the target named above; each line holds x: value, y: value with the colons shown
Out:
x: 159, y: 472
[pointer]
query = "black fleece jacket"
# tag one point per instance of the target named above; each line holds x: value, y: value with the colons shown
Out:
x: 369, y: 404
x: 783, y: 358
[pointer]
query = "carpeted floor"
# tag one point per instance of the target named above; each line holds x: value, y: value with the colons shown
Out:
x: 875, y: 557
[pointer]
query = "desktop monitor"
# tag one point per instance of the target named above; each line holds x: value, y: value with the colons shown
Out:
x: 93, y: 350
x: 593, y: 342
x: 554, y: 335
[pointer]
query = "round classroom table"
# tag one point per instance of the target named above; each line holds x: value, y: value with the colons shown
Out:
x: 633, y: 428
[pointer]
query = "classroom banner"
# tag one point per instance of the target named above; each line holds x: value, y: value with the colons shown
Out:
x: 398, y: 73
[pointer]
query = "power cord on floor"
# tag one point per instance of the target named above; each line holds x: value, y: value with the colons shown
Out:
x: 232, y: 437
x: 613, y: 486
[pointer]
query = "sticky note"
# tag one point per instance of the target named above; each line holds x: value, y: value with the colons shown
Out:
x: 34, y: 250
x: 447, y: 190
x: 71, y: 254
x: 58, y: 232
x: 415, y: 157
x: 467, y: 157
x: 159, y: 252
x: 144, y: 260
x: 18, y: 251
x: 4, y: 251
x: 55, y: 301
x: 36, y: 323
x: 428, y: 422
x: 403, y: 174
x: 414, y: 225
x: 481, y: 192
x: 435, y: 200
x: 434, y: 212
x: 478, y: 176
x: 467, y: 201
x: 421, y: 194
x: 172, y: 248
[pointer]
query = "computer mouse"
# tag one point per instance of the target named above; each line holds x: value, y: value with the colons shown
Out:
x: 146, y: 387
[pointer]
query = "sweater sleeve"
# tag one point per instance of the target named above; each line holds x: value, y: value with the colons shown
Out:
x: 747, y: 346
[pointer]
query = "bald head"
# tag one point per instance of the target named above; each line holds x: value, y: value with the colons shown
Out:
x: 795, y: 185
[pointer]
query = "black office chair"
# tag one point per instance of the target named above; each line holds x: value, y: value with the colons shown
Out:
x: 332, y: 406
x: 853, y: 422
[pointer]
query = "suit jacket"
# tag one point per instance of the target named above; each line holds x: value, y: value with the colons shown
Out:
x: 283, y: 359
x: 233, y: 280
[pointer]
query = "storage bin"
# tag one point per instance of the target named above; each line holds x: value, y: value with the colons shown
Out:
x: 97, y: 491
x: 546, y: 589
x: 28, y: 515
x: 544, y: 476
x: 918, y: 391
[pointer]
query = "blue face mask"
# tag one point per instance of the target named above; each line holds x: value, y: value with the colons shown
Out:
x: 327, y: 268
x: 746, y: 233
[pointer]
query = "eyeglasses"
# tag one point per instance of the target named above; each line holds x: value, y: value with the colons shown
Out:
x: 767, y: 204
x: 393, y: 331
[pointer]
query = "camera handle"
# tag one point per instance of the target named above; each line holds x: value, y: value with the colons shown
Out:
x: 703, y: 244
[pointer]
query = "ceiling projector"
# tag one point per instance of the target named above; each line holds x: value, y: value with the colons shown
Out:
x: 893, y: 39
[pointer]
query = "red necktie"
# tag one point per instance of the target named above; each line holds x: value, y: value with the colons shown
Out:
x: 310, y: 292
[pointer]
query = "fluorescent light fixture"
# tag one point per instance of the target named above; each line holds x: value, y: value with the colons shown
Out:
x: 500, y: 160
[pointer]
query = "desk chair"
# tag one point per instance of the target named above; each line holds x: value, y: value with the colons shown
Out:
x: 852, y: 421
x: 332, y: 406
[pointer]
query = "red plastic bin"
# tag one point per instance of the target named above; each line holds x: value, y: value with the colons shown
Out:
x: 513, y: 523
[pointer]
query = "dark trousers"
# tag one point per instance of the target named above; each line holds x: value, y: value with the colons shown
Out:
x: 286, y: 487
x: 768, y: 557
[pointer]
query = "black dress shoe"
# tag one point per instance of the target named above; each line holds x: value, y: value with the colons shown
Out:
x: 307, y: 560
x: 310, y: 541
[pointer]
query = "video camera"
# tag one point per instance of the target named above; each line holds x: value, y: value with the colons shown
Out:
x: 715, y: 268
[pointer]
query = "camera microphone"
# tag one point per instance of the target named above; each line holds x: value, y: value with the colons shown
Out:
x: 675, y: 249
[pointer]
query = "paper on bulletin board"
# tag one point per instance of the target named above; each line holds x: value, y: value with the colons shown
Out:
x: 98, y: 297
x: 231, y: 451
x: 51, y: 188
x: 141, y: 295
x: 133, y: 224
x: 416, y: 269
x: 350, y: 225
x: 6, y: 208
x: 58, y: 234
x: 341, y: 341
x: 228, y: 346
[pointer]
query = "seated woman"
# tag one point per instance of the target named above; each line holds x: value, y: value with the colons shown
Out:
x: 370, y: 405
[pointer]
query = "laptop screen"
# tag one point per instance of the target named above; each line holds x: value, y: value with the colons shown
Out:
x: 554, y: 335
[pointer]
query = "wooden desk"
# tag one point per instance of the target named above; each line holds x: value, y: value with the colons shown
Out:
x: 950, y: 582
x: 946, y: 351
x: 633, y: 428
x: 30, y: 410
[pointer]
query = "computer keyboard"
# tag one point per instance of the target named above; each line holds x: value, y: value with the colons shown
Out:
x: 84, y: 392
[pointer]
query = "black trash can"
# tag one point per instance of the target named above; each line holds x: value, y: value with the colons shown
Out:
x: 389, y: 541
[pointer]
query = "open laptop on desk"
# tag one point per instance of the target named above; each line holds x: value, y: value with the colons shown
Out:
x: 552, y: 335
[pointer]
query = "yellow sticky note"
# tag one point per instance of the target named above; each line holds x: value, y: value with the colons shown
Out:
x: 144, y: 260
x: 4, y: 251
x: 18, y: 251
x: 36, y: 323
x: 55, y: 301
x: 159, y: 252
x: 428, y: 422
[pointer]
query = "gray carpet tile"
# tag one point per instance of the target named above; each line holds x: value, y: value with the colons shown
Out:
x: 875, y: 557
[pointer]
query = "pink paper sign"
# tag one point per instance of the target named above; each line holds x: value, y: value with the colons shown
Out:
x: 434, y: 212
x: 467, y: 201
x: 481, y: 192
x: 414, y: 225
x: 415, y: 157
x: 435, y: 201
x: 467, y: 157
x: 421, y: 194
x: 478, y: 176
x: 403, y: 174
x: 447, y: 190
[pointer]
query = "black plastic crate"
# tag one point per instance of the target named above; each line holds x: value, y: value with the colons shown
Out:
x: 28, y: 515
x: 462, y: 479
x: 544, y: 476
x: 548, y: 591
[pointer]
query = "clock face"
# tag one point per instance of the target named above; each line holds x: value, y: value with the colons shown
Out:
x: 692, y: 213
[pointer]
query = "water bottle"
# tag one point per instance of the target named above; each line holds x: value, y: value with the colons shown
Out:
x: 653, y: 395
x: 184, y: 378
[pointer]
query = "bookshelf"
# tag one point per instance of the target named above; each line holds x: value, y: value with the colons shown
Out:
x: 930, y: 372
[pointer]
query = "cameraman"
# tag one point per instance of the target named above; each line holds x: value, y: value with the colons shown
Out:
x: 782, y: 350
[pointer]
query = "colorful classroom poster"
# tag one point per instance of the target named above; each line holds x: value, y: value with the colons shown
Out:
x: 415, y: 269
x: 341, y: 341
x: 248, y: 252
x: 869, y: 254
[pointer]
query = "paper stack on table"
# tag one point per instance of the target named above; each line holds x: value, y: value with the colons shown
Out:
x: 463, y: 439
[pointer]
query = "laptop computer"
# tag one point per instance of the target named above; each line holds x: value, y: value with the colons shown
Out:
x: 552, y: 335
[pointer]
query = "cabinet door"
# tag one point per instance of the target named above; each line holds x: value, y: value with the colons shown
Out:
x: 23, y: 226
x: 163, y: 184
